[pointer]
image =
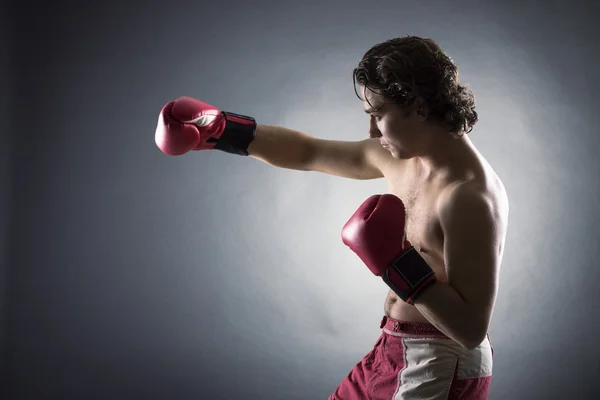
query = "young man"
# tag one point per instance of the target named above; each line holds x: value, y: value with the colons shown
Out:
x: 436, y: 239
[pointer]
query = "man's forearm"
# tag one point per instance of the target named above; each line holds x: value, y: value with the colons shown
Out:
x: 281, y: 147
x: 444, y: 307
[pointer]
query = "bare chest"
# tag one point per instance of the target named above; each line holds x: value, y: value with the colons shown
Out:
x: 423, y: 227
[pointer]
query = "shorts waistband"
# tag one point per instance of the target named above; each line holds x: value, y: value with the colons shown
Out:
x: 409, y: 329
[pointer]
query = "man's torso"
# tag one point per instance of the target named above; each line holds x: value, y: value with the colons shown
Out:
x: 423, y: 197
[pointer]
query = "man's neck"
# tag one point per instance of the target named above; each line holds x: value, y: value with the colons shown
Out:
x: 444, y: 153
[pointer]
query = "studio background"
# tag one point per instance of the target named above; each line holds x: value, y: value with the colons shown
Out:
x: 128, y: 274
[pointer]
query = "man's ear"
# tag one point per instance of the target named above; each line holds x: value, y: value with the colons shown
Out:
x: 421, y: 108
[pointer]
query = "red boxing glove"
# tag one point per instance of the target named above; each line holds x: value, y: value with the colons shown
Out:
x: 188, y: 124
x: 376, y: 233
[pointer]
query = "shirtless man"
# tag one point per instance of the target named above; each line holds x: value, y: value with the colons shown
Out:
x: 436, y: 238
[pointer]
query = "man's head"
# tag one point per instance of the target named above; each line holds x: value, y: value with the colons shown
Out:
x: 410, y: 88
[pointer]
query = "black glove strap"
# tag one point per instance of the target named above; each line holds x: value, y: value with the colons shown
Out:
x: 239, y: 132
x: 409, y: 275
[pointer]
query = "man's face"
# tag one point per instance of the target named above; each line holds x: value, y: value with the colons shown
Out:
x: 396, y: 129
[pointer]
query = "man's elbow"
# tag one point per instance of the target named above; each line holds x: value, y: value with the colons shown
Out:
x: 475, y: 331
x: 473, y: 344
x: 473, y: 338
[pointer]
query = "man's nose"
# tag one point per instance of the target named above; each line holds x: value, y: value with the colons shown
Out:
x: 373, y: 130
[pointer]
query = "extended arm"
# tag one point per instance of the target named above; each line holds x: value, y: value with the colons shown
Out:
x: 287, y: 148
x: 187, y: 124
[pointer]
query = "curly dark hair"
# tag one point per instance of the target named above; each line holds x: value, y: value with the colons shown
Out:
x: 410, y: 68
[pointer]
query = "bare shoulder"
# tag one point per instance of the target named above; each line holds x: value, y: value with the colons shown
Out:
x: 480, y: 199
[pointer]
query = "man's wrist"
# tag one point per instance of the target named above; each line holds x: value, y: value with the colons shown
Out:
x: 239, y: 132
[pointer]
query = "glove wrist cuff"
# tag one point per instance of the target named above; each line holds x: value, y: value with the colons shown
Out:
x: 409, y: 275
x: 239, y: 132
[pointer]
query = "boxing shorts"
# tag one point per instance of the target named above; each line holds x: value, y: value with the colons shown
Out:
x: 417, y: 361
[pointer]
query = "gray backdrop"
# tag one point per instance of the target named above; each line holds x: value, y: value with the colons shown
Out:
x: 129, y: 274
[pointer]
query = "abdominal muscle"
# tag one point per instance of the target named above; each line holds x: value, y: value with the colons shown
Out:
x: 395, y: 308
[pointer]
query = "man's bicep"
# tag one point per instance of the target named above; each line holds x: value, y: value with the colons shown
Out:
x: 472, y: 247
x: 349, y: 159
